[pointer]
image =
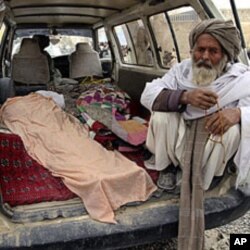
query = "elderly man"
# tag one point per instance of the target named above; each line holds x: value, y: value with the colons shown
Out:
x: 210, y: 87
x: 200, y: 120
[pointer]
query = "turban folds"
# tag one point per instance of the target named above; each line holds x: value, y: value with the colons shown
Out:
x: 223, y: 31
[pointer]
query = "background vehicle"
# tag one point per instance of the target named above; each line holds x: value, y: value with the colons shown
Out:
x: 137, y: 41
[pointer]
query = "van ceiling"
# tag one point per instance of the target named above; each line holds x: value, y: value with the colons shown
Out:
x: 56, y: 12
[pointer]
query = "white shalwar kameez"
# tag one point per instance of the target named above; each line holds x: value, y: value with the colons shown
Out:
x: 233, y: 89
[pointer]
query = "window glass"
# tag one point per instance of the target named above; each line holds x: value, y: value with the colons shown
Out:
x: 134, y: 43
x: 103, y: 46
x: 125, y: 44
x: 183, y: 21
x: 224, y: 7
x: 2, y: 31
x: 243, y: 10
x: 244, y: 16
x: 164, y: 40
x: 141, y: 43
x: 61, y: 44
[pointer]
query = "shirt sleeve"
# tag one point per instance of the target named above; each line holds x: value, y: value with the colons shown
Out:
x: 169, y: 101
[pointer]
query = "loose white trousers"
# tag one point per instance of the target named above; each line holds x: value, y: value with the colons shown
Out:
x: 166, y: 141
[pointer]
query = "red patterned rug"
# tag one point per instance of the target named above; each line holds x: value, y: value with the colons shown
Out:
x: 22, y: 179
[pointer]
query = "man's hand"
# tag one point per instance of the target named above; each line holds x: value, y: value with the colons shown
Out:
x: 218, y: 123
x: 200, y: 98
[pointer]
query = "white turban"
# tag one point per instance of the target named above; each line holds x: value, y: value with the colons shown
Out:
x: 223, y: 31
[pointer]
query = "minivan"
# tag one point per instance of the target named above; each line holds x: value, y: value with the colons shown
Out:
x: 132, y: 42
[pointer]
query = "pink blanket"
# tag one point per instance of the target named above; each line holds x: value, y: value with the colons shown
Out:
x: 104, y: 180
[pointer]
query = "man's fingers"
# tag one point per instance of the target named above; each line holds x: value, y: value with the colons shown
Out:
x: 210, y: 100
x: 216, y: 125
x: 214, y: 128
x: 211, y: 119
x: 218, y: 130
x: 207, y: 104
x: 202, y: 98
x: 210, y: 93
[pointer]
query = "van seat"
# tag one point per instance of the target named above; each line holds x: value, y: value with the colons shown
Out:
x: 84, y: 61
x: 29, y: 65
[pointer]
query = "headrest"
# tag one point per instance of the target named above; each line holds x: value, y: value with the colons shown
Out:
x: 29, y: 47
x: 84, y: 61
x: 29, y: 65
x: 83, y: 47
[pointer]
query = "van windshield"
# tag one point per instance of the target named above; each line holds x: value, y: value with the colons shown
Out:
x: 62, y: 42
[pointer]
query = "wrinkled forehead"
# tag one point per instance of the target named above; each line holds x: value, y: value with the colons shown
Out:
x: 207, y: 40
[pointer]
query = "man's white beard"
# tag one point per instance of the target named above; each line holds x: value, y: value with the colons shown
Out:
x: 204, y: 73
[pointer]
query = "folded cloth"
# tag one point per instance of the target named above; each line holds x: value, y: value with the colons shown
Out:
x: 57, y: 98
x: 130, y: 131
x: 104, y: 180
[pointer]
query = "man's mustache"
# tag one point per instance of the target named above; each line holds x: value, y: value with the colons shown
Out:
x: 204, y: 63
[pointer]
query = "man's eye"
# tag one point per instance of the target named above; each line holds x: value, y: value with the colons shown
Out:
x: 213, y: 51
x: 201, y: 50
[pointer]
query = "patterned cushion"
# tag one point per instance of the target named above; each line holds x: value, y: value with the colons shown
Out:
x: 110, y: 106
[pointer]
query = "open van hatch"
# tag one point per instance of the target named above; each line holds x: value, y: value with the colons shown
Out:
x: 36, y: 209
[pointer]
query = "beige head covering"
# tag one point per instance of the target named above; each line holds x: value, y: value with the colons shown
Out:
x: 223, y: 31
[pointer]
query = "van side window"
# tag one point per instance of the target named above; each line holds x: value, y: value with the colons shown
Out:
x: 103, y: 46
x: 134, y: 43
x: 2, y: 32
x: 182, y: 21
x: 241, y: 13
x: 4, y: 51
x: 164, y: 40
x: 244, y: 19
x: 175, y: 23
x: 2, y: 38
x: 126, y: 48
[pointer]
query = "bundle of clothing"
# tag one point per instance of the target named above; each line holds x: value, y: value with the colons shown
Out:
x: 110, y: 106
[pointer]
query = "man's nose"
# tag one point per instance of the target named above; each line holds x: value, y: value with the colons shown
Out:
x: 205, y: 55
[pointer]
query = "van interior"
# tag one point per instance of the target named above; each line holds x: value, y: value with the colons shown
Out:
x: 98, y: 52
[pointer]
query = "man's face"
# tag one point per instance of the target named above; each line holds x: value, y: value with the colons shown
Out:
x: 208, y: 50
x: 208, y: 60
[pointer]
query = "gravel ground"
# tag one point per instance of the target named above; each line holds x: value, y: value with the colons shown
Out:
x: 216, y: 239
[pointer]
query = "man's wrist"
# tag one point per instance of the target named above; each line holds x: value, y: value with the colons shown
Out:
x: 238, y: 114
x: 184, y: 98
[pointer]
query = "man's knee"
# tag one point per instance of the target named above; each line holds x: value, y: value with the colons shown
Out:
x: 232, y: 135
x: 163, y: 118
